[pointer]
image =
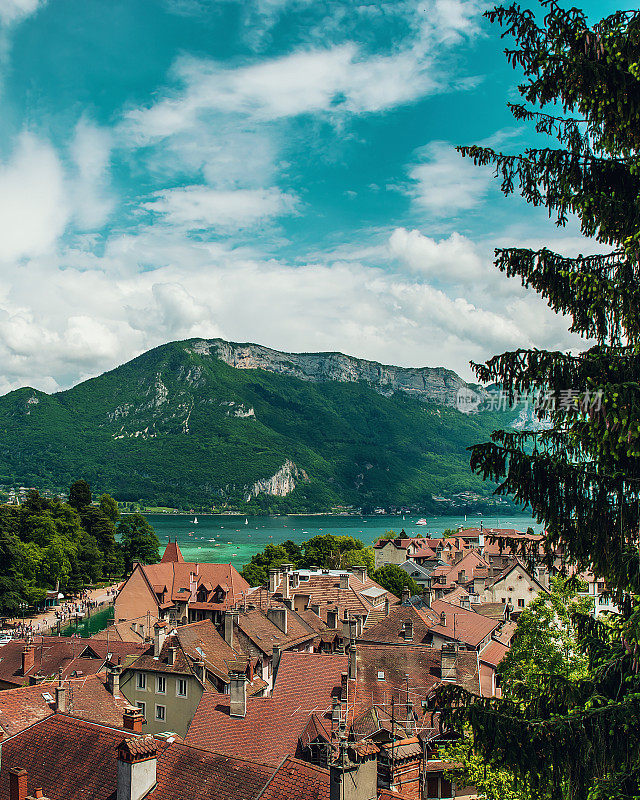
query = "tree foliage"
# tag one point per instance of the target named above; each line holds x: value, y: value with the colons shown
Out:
x: 394, y: 579
x: 45, y: 543
x: 138, y: 541
x: 568, y: 736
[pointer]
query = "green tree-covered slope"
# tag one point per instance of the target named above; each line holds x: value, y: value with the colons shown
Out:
x: 177, y: 427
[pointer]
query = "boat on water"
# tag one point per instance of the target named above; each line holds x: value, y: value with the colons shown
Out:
x: 195, y: 520
x: 246, y: 521
x: 422, y: 521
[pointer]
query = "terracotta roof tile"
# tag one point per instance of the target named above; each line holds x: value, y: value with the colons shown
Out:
x: 272, y: 726
x: 298, y: 780
x: 172, y: 553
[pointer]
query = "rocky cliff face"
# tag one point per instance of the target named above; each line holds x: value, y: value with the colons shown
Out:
x: 424, y: 383
x: 279, y: 485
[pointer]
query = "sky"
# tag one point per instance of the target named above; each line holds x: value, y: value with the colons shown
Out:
x: 271, y: 171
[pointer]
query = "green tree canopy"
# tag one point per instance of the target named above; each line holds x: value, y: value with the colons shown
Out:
x: 394, y: 579
x: 579, y: 474
x: 109, y: 508
x: 138, y: 541
x: 80, y: 495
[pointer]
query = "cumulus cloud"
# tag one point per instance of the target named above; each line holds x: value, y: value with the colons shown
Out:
x: 444, y: 183
x: 34, y: 209
x: 455, y: 259
x: 201, y: 207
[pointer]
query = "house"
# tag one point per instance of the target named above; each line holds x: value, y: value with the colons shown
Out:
x: 432, y: 623
x: 167, y: 681
x: 33, y: 660
x: 262, y: 634
x: 178, y: 592
x: 90, y: 698
x: 420, y: 573
x: 514, y: 586
x: 393, y: 550
x: 338, y: 597
x: 86, y: 760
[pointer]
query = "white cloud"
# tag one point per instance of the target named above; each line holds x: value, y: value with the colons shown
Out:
x: 201, y: 207
x: 190, y: 288
x: 34, y: 210
x: 90, y: 152
x: 444, y: 183
x: 455, y: 259
x: 15, y: 10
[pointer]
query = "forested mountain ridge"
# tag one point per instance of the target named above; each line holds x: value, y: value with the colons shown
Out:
x: 180, y: 426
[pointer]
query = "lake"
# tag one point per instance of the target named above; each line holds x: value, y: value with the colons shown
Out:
x: 227, y: 539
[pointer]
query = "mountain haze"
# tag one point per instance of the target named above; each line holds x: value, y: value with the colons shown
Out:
x: 204, y: 422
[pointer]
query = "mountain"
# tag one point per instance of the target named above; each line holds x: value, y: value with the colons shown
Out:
x: 204, y: 422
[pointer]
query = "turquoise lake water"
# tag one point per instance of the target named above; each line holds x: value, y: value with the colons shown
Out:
x: 227, y: 539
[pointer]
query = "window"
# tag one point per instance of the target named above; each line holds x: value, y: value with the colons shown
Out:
x: 141, y: 680
x: 380, y: 675
x: 602, y: 601
x: 521, y: 602
x: 143, y: 708
x: 161, y: 684
x: 503, y: 600
x: 181, y: 687
x: 161, y: 713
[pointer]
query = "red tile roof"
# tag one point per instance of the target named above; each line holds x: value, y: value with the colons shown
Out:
x: 75, y: 760
x: 272, y: 726
x: 172, y: 553
x: 74, y: 656
x: 297, y: 779
x: 177, y: 576
x: 494, y: 652
x: 462, y: 624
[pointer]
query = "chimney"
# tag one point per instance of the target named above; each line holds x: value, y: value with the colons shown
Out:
x: 295, y: 580
x: 426, y: 596
x: 198, y: 668
x: 137, y: 765
x: 386, y: 605
x: 28, y: 659
x: 61, y: 695
x: 37, y: 795
x: 406, y: 594
x: 275, y: 661
x: 344, y: 580
x: 17, y: 784
x: 230, y: 621
x: 462, y: 576
x: 407, y: 630
x: 443, y: 619
x: 344, y: 677
x: 481, y: 543
x: 360, y: 573
x: 171, y: 655
x: 274, y: 579
x: 132, y: 719
x: 332, y: 619
x: 448, y: 662
x: 113, y: 680
x: 286, y: 567
x: 353, y: 775
x: 159, y: 635
x: 237, y: 692
x: 478, y: 585
x: 285, y: 585
x: 352, y: 661
x: 279, y: 618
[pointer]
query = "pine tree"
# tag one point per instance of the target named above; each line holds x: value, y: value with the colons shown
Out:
x: 581, y: 476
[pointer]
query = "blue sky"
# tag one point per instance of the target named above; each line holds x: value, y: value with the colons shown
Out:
x: 278, y: 171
